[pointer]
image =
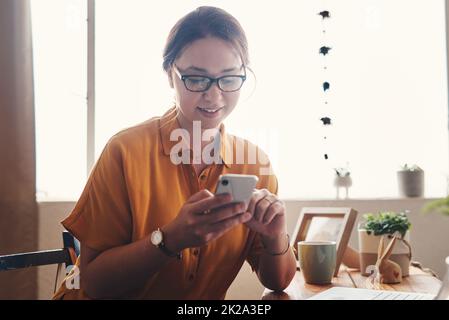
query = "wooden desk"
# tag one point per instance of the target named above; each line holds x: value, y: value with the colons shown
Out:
x: 417, y: 281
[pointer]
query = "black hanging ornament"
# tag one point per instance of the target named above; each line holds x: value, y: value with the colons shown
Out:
x: 324, y: 50
x: 326, y: 121
x: 324, y: 14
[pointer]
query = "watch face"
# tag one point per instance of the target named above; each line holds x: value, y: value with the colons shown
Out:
x: 156, y: 237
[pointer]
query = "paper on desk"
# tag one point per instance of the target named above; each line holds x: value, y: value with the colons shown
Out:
x: 342, y: 293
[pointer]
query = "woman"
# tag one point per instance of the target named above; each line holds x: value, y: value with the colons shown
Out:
x: 148, y: 221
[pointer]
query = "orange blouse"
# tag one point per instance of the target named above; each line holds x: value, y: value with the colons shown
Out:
x: 135, y: 188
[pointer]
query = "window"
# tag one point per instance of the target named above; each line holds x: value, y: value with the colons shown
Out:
x: 60, y: 57
x: 387, y: 101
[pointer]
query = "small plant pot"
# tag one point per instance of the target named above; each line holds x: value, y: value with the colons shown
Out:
x: 411, y: 183
x: 368, y: 245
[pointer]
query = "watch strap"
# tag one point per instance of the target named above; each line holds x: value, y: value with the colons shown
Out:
x: 167, y: 251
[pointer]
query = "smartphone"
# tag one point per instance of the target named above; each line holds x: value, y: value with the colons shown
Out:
x: 240, y: 186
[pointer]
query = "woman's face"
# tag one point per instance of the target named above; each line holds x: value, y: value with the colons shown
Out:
x: 210, y: 57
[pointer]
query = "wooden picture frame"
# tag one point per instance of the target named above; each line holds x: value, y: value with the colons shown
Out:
x: 337, y: 229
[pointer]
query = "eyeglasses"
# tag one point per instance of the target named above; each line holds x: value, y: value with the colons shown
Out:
x: 197, y: 83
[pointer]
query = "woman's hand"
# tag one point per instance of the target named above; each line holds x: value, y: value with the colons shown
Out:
x: 204, y: 217
x: 268, y: 214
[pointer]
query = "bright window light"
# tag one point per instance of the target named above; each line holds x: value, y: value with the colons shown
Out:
x: 387, y: 101
x: 60, y: 58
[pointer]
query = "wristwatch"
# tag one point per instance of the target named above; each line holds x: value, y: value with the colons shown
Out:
x: 157, y: 239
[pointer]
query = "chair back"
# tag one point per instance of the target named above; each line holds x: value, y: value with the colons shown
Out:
x: 67, y: 255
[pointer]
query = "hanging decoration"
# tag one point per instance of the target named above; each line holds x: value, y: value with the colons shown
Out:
x: 326, y: 121
x: 324, y: 14
x: 342, y: 177
x: 324, y: 50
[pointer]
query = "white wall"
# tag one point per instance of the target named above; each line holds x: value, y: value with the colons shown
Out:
x: 429, y: 237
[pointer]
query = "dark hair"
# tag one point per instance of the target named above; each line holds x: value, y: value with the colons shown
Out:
x: 201, y: 23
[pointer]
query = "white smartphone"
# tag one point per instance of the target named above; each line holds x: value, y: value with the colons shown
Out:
x: 240, y: 186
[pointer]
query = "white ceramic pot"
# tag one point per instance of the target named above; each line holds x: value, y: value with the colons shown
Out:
x: 411, y: 183
x: 368, y: 245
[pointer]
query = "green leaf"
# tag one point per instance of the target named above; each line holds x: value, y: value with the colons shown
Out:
x: 387, y: 222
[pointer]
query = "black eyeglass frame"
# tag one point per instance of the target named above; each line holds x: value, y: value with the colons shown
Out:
x: 211, y: 80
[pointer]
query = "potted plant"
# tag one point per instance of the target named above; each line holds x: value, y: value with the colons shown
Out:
x: 411, y: 181
x: 439, y: 206
x: 373, y: 229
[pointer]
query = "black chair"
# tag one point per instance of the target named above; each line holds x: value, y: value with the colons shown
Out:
x: 66, y: 255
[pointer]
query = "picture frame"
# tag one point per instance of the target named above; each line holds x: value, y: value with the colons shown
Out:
x: 325, y: 224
